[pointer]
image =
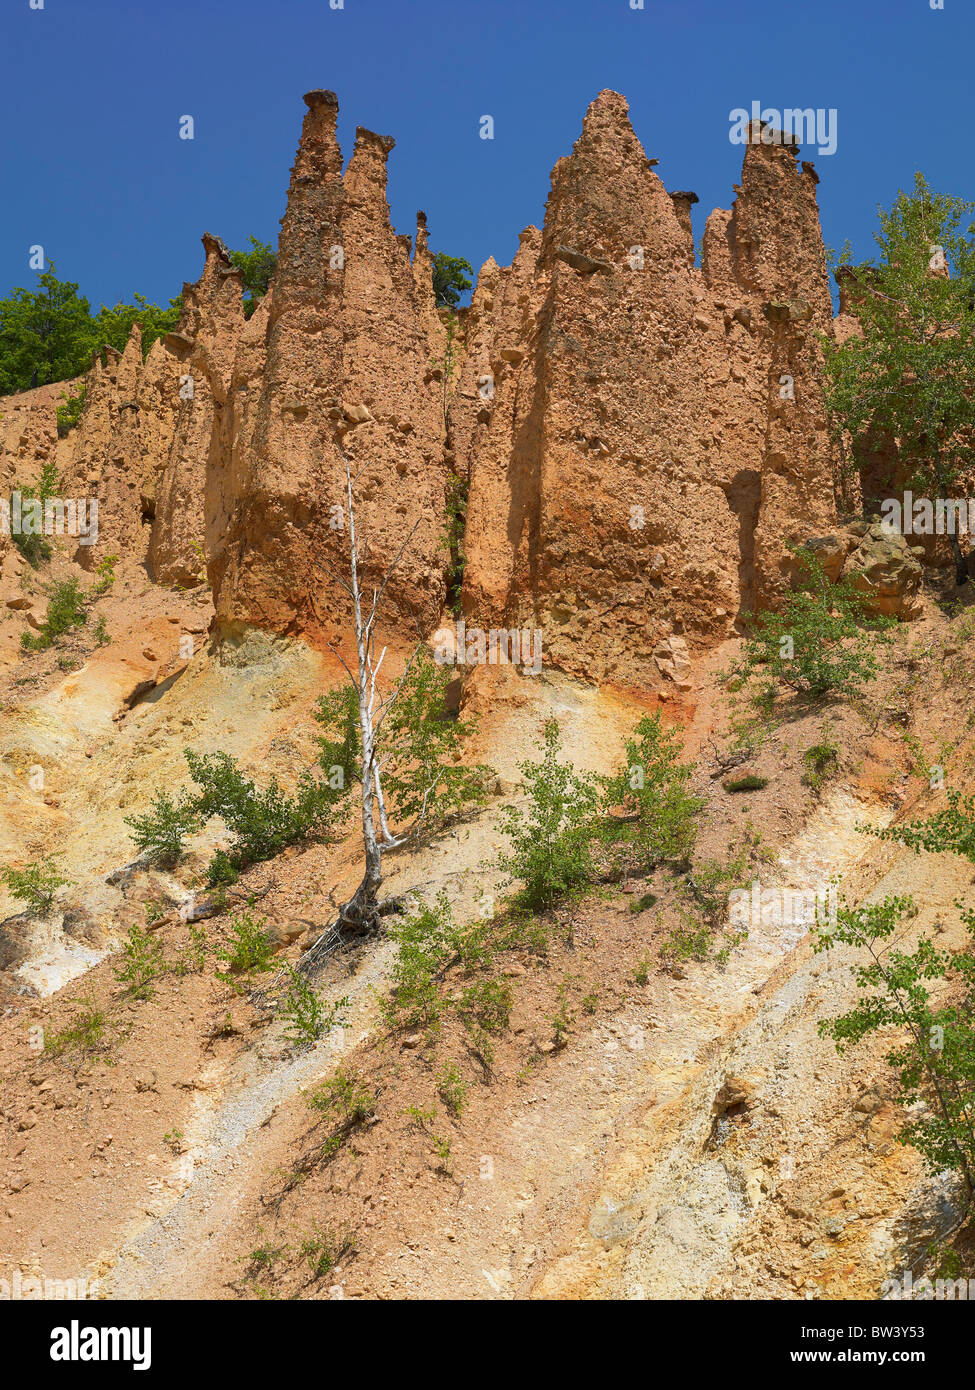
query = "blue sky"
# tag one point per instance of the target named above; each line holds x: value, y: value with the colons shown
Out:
x: 93, y: 170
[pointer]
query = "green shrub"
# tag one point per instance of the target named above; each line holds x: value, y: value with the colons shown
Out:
x: 821, y: 760
x: 85, y: 1034
x: 69, y: 414
x: 427, y: 941
x: 651, y: 789
x: 452, y: 1089
x: 261, y: 822
x: 142, y: 962
x: 824, y: 642
x: 65, y: 610
x: 551, y: 842
x: 934, y: 1048
x: 306, y: 1016
x: 325, y: 1249
x: 248, y: 951
x: 160, y: 831
x: 34, y: 546
x: 35, y: 884
x: 749, y: 783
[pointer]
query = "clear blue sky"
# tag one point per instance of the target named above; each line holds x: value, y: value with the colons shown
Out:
x: 92, y: 167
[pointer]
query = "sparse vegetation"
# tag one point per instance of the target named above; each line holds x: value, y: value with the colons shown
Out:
x: 248, y: 950
x: 160, y: 831
x: 935, y: 1056
x: 750, y: 782
x: 658, y: 820
x: 551, y: 842
x: 35, y: 884
x: 142, y: 963
x: 824, y: 642
x: 65, y: 610
x: 306, y: 1016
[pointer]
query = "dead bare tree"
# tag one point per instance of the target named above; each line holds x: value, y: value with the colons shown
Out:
x: 363, y: 910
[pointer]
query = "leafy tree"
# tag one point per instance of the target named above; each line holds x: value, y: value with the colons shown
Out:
x: 113, y: 326
x: 403, y: 738
x: 935, y: 1061
x: 651, y: 790
x: 258, y: 266
x: 823, y: 642
x: 911, y: 376
x: 49, y: 334
x: 450, y: 279
x: 45, y: 334
x: 551, y: 841
x: 951, y: 829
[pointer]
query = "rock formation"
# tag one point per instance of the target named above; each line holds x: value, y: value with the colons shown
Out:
x: 347, y: 378
x: 643, y: 438
x: 656, y: 436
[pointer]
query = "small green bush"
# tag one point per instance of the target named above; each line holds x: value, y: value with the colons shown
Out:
x: 248, y: 951
x: 749, y: 783
x: 306, y: 1016
x: 65, y: 610
x: 160, y: 831
x: 142, y: 963
x: 35, y: 884
x: 551, y: 843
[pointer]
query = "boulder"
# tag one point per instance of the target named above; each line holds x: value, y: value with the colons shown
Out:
x: 883, y: 568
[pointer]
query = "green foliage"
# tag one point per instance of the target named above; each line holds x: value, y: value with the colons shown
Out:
x: 934, y: 1056
x: 951, y: 829
x: 457, y: 490
x: 486, y: 1005
x: 160, y: 831
x: 424, y: 780
x: 248, y: 951
x: 35, y: 884
x: 551, y: 841
x: 652, y: 791
x: 44, y: 334
x: 50, y: 333
x: 824, y: 642
x: 340, y: 755
x: 262, y: 822
x: 344, y: 1095
x: 426, y: 941
x: 821, y: 760
x: 325, y: 1249
x: 142, y: 962
x: 85, y: 1034
x: 452, y: 1089
x: 106, y: 575
x: 911, y: 375
x: 419, y: 745
x: 113, y: 326
x: 306, y: 1016
x: 450, y: 279
x: 69, y: 414
x: 65, y: 610
x: 34, y: 546
x: 258, y: 266
x: 751, y: 782
x: 100, y: 633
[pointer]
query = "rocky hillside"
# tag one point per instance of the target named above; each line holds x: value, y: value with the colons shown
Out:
x: 621, y: 444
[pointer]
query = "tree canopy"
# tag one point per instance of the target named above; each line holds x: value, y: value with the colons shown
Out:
x: 449, y: 279
x: 910, y: 377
